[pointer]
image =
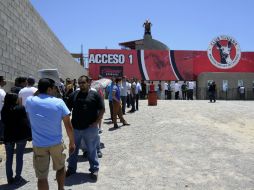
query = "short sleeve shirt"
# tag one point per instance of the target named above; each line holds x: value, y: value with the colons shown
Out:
x: 110, y: 89
x: 165, y: 86
x: 45, y: 113
x: 24, y: 93
x: 177, y: 87
x: 2, y: 95
x: 85, y: 108
x: 116, y: 89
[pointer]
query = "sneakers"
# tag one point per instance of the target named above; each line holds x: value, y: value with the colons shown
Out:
x: 100, y: 130
x: 69, y: 173
x: 99, y: 154
x: 125, y: 123
x: 116, y: 126
x: 94, y: 176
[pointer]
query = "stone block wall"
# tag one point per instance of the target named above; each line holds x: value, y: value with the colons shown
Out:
x: 27, y: 44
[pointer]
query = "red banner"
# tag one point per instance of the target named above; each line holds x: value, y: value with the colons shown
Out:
x: 166, y: 65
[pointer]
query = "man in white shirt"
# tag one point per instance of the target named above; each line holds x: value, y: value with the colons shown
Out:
x: 2, y: 95
x: 27, y: 91
x: 137, y: 92
x: 166, y: 90
x: 191, y: 86
x: 242, y: 92
x: 128, y: 101
x: 123, y: 93
x: 132, y: 95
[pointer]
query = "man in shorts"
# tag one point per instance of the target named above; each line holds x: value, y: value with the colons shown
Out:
x: 46, y: 112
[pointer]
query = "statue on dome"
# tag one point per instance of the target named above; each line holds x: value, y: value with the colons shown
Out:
x: 147, y: 25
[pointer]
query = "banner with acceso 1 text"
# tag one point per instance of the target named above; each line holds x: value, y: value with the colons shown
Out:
x: 160, y: 64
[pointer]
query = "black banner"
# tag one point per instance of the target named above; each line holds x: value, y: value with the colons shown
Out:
x: 111, y: 71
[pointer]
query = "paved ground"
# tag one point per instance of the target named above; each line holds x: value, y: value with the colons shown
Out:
x: 175, y: 145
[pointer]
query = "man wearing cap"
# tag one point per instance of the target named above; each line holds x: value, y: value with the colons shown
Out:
x: 27, y: 91
x: 46, y: 113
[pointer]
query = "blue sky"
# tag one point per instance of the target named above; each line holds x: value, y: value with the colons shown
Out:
x: 180, y: 24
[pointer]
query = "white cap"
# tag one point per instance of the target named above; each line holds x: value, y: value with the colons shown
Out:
x: 53, y: 75
x: 50, y: 74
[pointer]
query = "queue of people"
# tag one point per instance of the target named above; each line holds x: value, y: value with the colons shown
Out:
x: 36, y: 114
x: 123, y: 93
x: 179, y: 90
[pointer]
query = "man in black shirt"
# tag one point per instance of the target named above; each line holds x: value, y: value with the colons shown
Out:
x: 212, y: 91
x: 87, y: 110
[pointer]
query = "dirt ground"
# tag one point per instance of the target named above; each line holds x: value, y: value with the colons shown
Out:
x: 174, y: 145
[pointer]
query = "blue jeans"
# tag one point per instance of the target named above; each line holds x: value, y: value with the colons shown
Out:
x: 9, y: 148
x: 83, y: 145
x: 90, y: 137
x: 123, y: 99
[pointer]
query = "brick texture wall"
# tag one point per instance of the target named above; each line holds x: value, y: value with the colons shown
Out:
x: 27, y: 44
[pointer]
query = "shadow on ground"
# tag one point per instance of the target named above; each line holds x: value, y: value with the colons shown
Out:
x: 78, y: 178
x: 12, y: 187
x: 108, y: 122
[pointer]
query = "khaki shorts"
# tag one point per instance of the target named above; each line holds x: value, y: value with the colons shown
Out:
x: 41, y: 159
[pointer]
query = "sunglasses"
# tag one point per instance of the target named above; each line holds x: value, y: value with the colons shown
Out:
x: 82, y: 82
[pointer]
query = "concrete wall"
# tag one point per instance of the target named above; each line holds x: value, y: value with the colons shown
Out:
x: 232, y: 93
x: 27, y: 44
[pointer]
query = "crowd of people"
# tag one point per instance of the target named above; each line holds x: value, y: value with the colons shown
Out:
x: 123, y: 93
x: 179, y: 89
x: 36, y: 114
x: 30, y: 113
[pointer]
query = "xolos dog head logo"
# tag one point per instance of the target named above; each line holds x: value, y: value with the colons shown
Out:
x: 224, y: 52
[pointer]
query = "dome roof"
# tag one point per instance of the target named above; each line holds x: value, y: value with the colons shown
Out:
x: 150, y: 44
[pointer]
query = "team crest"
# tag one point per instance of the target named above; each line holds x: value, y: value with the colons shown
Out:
x: 224, y: 52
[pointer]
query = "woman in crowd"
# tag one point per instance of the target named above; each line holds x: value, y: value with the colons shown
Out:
x: 16, y: 132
